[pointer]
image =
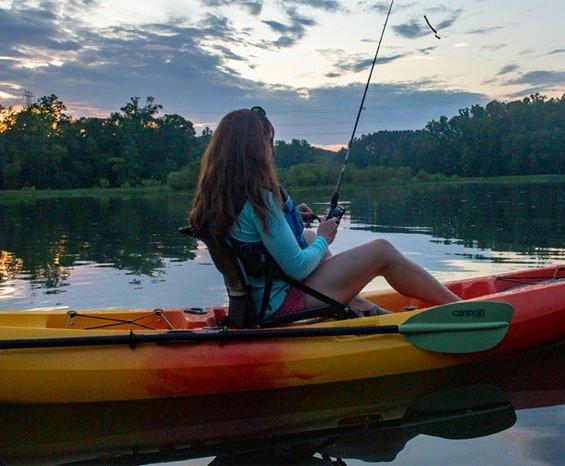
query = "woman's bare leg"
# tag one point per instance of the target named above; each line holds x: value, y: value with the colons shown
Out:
x: 357, y: 303
x: 344, y: 275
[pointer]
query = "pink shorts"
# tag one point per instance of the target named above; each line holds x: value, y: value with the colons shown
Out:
x: 294, y: 302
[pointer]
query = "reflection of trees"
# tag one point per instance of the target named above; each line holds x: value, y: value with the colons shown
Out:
x: 10, y: 265
x: 502, y: 217
x: 48, y: 236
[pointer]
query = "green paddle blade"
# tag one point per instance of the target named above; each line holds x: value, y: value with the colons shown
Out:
x: 462, y: 327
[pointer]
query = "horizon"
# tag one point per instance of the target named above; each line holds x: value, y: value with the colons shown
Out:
x: 305, y: 62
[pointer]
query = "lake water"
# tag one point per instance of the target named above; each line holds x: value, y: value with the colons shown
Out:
x: 107, y: 251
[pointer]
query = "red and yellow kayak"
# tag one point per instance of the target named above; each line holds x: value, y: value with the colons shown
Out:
x: 161, y: 430
x: 121, y: 372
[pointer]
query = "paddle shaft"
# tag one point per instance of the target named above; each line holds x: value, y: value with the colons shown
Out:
x: 224, y: 335
x: 194, y: 337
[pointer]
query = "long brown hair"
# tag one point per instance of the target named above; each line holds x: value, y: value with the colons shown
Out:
x: 237, y: 167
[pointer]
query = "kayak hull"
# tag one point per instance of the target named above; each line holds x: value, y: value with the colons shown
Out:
x: 120, y: 372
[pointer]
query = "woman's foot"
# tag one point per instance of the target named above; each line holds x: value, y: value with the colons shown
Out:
x: 365, y: 308
x: 374, y: 311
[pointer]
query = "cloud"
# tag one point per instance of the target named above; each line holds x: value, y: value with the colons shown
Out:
x: 114, y: 63
x: 484, y: 31
x: 331, y: 53
x: 7, y: 96
x: 213, y: 26
x: 494, y: 47
x: 358, y: 63
x: 417, y: 27
x: 540, y: 77
x: 446, y: 23
x: 427, y: 50
x: 290, y: 33
x: 555, y: 52
x: 382, y: 7
x: 32, y: 28
x: 185, y: 65
x: 228, y: 54
x: 507, y: 69
x: 328, y: 5
x: 277, y: 27
x: 540, y: 81
x: 437, y: 9
x: 253, y: 7
x: 327, y: 115
x: 411, y: 30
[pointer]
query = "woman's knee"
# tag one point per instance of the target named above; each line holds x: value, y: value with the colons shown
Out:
x: 384, y: 250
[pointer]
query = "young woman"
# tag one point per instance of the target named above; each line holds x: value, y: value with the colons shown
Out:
x: 238, y: 195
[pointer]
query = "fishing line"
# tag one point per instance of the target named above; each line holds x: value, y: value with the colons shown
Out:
x: 337, y: 211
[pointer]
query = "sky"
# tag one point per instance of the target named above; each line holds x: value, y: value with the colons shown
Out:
x: 304, y: 61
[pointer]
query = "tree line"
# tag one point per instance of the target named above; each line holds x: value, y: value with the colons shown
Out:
x: 43, y: 147
x: 523, y: 137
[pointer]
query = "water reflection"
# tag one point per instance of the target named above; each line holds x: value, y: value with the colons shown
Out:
x: 9, y: 265
x: 132, y: 234
x: 57, y: 251
x: 371, y: 421
x: 521, y: 218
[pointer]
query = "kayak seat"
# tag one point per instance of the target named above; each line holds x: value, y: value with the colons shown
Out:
x: 236, y: 262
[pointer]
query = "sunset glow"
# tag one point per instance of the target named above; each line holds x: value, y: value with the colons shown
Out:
x: 305, y: 62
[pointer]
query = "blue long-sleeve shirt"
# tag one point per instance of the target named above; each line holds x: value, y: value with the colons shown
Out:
x: 283, y: 247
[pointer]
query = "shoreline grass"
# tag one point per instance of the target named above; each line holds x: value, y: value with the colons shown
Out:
x: 26, y: 193
x: 32, y: 194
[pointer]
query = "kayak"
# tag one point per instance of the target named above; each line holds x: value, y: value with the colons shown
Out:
x: 95, y: 371
x: 160, y: 430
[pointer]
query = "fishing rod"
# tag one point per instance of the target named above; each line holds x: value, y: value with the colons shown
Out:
x: 337, y: 211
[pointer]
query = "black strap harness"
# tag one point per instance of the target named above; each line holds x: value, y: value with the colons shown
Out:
x: 237, y: 261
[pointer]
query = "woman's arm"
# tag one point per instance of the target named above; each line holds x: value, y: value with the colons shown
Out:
x: 282, y: 245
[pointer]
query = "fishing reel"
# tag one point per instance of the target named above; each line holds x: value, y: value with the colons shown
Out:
x: 336, y: 211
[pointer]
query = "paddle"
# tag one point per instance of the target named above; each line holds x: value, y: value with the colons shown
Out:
x: 462, y: 327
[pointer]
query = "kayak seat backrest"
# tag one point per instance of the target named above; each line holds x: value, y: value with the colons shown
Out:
x: 240, y: 313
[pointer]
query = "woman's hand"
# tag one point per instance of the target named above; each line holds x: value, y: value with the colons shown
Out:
x: 305, y: 210
x: 328, y: 229
x: 307, y: 214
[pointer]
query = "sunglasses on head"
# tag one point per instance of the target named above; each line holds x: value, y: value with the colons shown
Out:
x: 259, y: 110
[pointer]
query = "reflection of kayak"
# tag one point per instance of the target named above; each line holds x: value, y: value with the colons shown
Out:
x: 146, y: 431
x: 121, y: 372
